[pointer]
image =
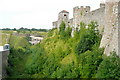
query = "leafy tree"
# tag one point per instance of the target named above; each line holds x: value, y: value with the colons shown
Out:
x: 37, y: 56
x: 65, y: 71
x: 87, y: 39
x: 93, y: 25
x: 89, y: 62
x: 109, y: 68
x: 82, y: 25
x: 14, y: 29
x: 62, y: 29
x: 68, y: 32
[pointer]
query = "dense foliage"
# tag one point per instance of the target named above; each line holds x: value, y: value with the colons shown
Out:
x: 61, y: 56
x: 88, y: 37
x: 109, y: 68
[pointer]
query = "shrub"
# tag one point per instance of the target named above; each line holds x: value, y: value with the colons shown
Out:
x: 89, y: 62
x: 68, y: 32
x: 87, y: 39
x: 109, y: 68
x: 62, y: 30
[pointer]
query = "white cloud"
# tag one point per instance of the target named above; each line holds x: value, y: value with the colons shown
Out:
x: 37, y: 13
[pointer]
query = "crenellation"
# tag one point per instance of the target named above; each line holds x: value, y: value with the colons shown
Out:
x: 75, y: 8
x: 102, y: 5
x: 81, y: 7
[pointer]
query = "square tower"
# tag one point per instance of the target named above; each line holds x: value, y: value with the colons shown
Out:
x: 78, y: 14
x: 63, y: 16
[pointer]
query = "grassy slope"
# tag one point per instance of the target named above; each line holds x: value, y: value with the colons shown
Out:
x: 55, y: 46
x: 4, y: 35
x: 61, y: 49
x: 56, y: 57
x: 20, y: 54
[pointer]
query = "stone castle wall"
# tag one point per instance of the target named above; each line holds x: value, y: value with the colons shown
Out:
x: 110, y: 40
x: 3, y: 63
x: 118, y: 29
x: 96, y: 15
x: 0, y: 65
x: 83, y: 14
x: 108, y: 19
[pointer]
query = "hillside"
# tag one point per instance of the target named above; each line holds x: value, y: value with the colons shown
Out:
x: 61, y: 56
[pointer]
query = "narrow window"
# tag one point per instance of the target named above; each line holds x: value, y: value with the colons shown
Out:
x: 65, y: 15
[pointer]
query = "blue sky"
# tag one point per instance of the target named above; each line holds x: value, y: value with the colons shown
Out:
x: 37, y: 13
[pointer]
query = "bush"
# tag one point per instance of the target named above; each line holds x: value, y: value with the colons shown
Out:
x: 87, y: 39
x: 68, y: 32
x: 109, y: 68
x: 89, y: 62
x: 65, y: 71
x: 62, y: 30
x: 51, y: 32
x: 36, y: 60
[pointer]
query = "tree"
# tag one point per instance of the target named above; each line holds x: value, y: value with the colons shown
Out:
x: 89, y: 62
x: 62, y: 29
x: 88, y: 37
x: 68, y: 32
x: 109, y: 68
x: 14, y: 29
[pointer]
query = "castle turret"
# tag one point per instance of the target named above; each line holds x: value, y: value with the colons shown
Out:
x: 63, y: 16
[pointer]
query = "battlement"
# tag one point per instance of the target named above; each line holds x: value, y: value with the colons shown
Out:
x: 102, y: 5
x: 112, y: 0
x: 82, y: 8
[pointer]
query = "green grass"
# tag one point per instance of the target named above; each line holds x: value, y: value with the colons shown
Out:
x: 3, y: 37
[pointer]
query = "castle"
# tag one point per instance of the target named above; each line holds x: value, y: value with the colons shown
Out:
x: 81, y: 14
x: 107, y: 17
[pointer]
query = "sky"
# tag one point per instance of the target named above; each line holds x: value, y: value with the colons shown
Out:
x: 37, y: 13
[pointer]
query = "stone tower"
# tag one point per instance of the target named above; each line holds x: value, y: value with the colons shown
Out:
x: 111, y: 36
x: 78, y: 14
x: 63, y: 16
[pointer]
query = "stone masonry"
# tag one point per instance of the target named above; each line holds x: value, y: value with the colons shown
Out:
x: 4, y: 52
x: 107, y: 17
x: 111, y: 37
